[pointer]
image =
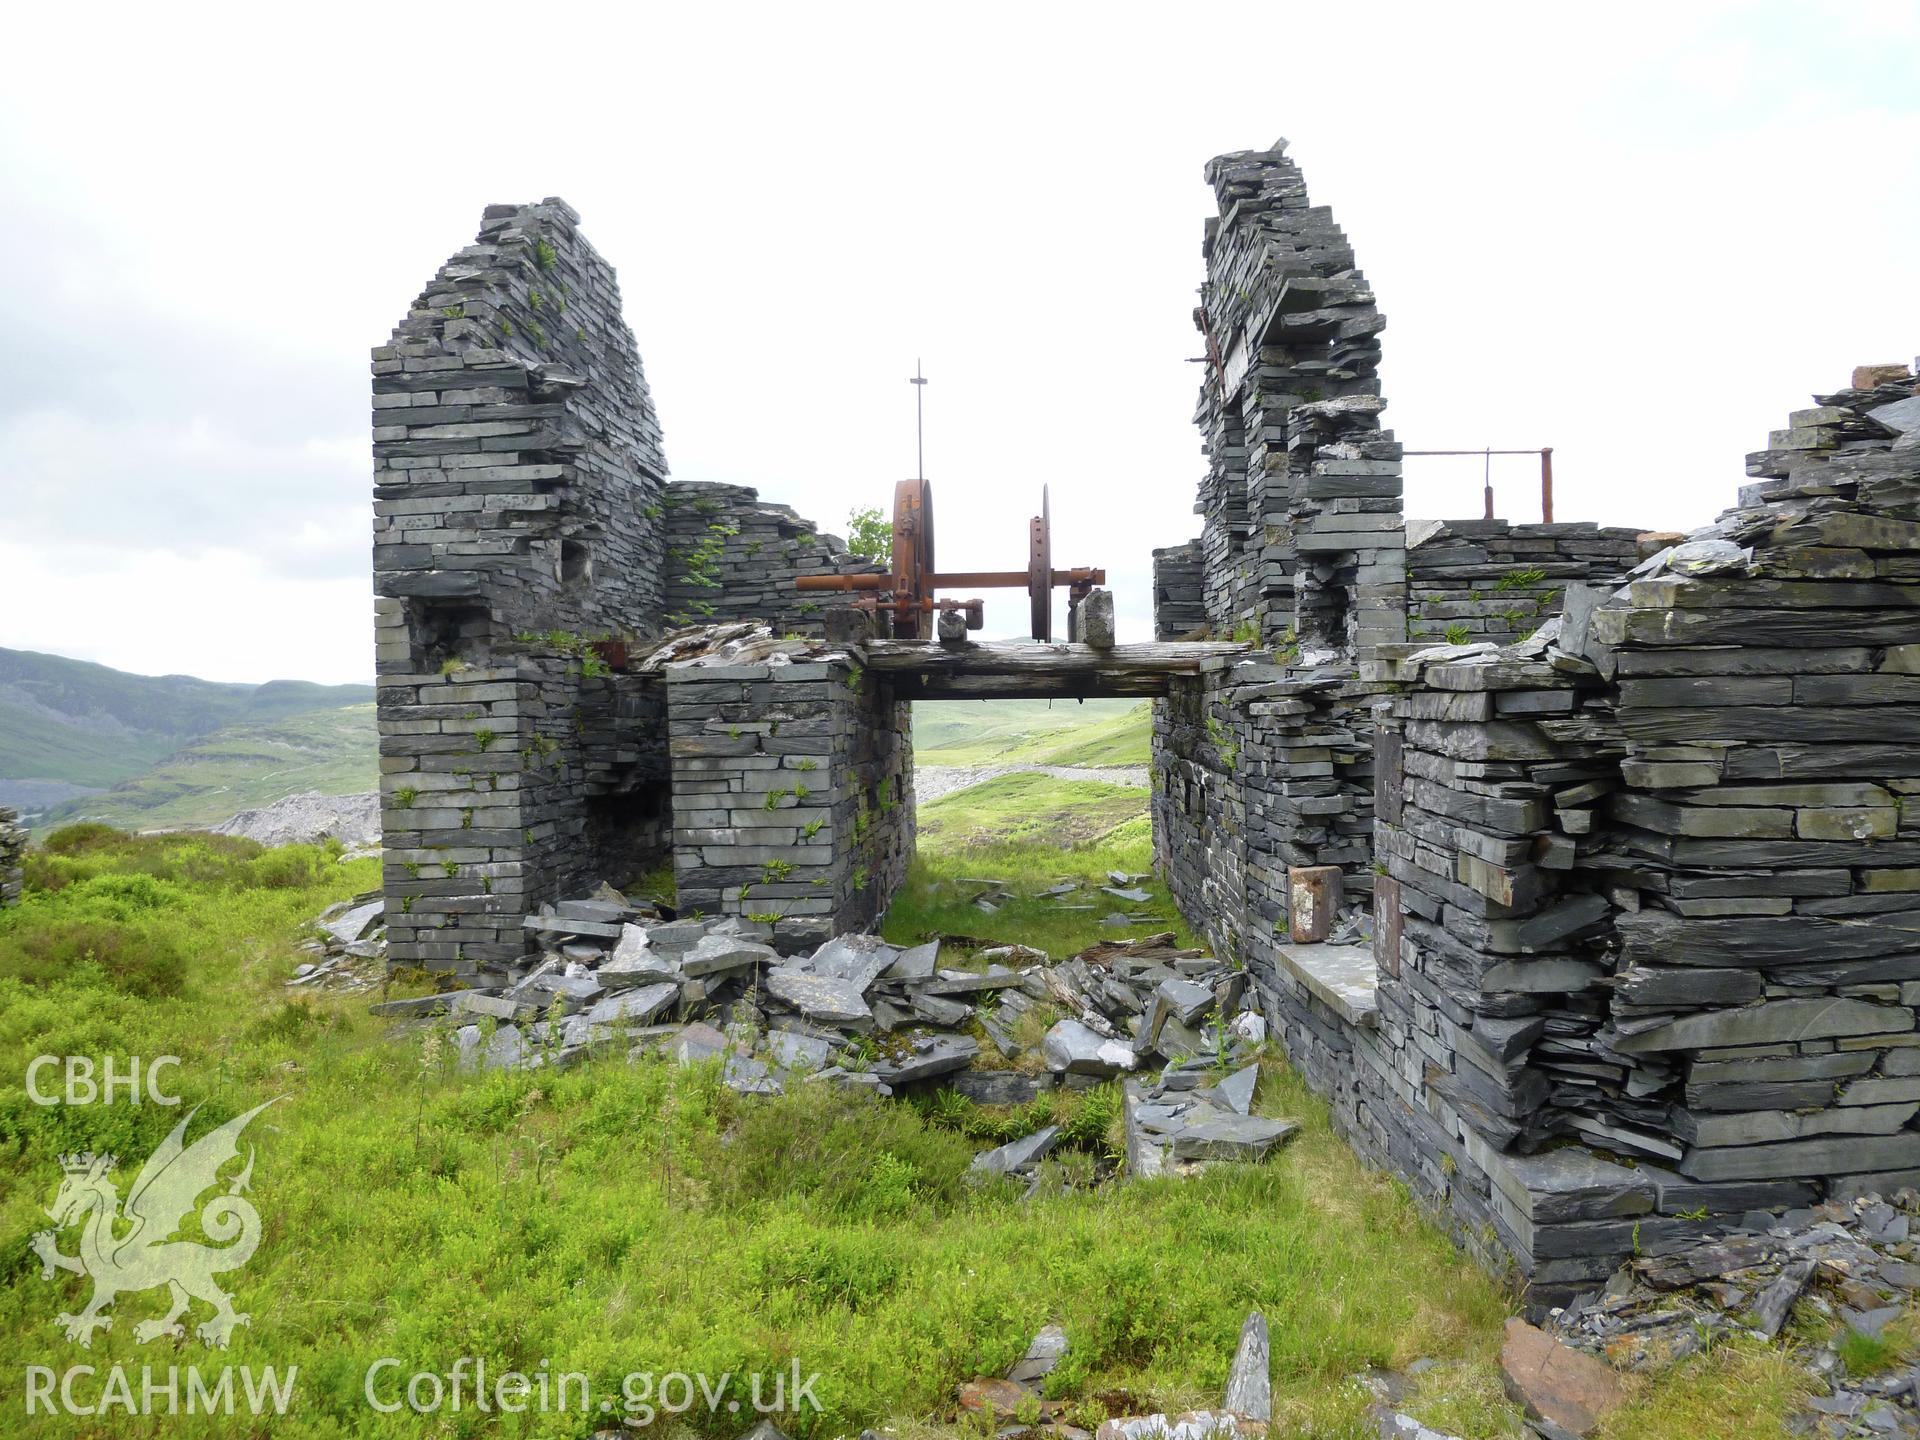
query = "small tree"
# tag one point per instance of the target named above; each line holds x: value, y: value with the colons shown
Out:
x: 869, y: 535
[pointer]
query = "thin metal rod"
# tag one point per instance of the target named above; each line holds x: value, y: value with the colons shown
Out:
x: 1486, y: 480
x: 1546, y: 484
x: 919, y: 382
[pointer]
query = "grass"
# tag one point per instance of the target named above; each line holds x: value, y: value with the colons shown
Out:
x: 1031, y: 732
x: 1025, y: 832
x: 628, y: 1217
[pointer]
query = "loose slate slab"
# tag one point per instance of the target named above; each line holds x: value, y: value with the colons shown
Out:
x: 857, y: 959
x: 831, y: 1002
x: 915, y: 964
x: 356, y: 922
x: 1220, y: 1136
x: 1049, y: 1347
x: 1017, y: 1155
x: 1184, y: 999
x: 1236, y: 1092
x: 1556, y: 1383
x: 713, y: 954
x: 696, y: 1042
x: 794, y: 1051
x: 1000, y: 1087
x: 633, y: 1007
x: 934, y: 1055
x: 1072, y: 1048
x: 677, y: 937
x: 1250, y: 1381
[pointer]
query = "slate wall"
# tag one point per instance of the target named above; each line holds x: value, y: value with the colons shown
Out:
x: 518, y: 507
x: 1472, y: 580
x: 732, y: 556
x: 1648, y: 881
x: 793, y: 794
x: 1179, y: 593
x: 13, y: 846
x: 1301, y: 535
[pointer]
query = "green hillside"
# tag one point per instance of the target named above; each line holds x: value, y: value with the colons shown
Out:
x: 1031, y: 732
x: 240, y: 768
x: 70, y: 723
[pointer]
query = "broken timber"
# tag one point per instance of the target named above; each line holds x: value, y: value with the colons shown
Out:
x: 1002, y: 670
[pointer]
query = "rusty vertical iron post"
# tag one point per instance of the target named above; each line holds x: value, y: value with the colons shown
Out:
x: 1486, y: 482
x: 1546, y: 484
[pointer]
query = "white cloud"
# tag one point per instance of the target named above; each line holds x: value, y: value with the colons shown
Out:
x: 1640, y: 239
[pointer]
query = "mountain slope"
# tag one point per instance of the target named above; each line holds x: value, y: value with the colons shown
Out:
x: 241, y: 767
x: 1031, y: 732
x: 70, y: 726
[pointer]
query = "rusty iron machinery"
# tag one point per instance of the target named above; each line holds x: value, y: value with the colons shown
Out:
x: 908, y: 596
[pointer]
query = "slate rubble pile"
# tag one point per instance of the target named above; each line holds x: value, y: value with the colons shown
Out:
x: 349, y: 950
x: 13, y: 846
x: 1847, y: 1265
x: 857, y: 1011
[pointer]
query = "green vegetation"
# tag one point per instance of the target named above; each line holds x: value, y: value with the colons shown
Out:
x: 623, y: 1217
x: 1032, y: 732
x: 870, y: 535
x: 1025, y: 832
x: 1456, y: 633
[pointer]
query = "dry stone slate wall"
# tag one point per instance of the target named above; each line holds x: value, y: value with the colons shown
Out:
x: 1635, y: 858
x: 793, y: 791
x: 1472, y: 580
x: 13, y: 846
x: 525, y: 540
x: 518, y: 508
x: 732, y: 556
x: 1301, y: 500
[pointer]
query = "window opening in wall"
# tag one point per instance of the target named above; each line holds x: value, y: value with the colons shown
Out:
x: 576, y: 563
x: 448, y: 633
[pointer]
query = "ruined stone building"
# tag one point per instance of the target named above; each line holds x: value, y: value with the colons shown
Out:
x: 1634, y: 873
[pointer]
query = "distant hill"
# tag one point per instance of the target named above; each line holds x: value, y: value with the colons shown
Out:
x: 1032, y: 732
x: 242, y: 767
x: 69, y: 728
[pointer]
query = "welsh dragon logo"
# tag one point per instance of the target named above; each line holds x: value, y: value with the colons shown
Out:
x: 131, y: 1249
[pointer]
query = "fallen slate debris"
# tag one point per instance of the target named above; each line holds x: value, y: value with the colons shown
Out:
x: 614, y: 977
x: 1555, y: 1383
x: 349, y: 951
x: 1018, y: 1156
x: 1847, y: 1264
x: 1250, y: 1381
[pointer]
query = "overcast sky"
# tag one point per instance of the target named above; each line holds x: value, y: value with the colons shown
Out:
x: 1639, y: 235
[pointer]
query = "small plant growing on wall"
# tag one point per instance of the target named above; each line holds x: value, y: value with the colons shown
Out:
x: 1456, y: 633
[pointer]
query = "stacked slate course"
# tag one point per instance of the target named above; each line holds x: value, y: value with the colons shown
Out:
x: 1473, y: 580
x: 1619, y: 831
x: 733, y: 556
x: 526, y: 540
x: 1302, y: 536
x: 13, y: 845
x: 793, y: 792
